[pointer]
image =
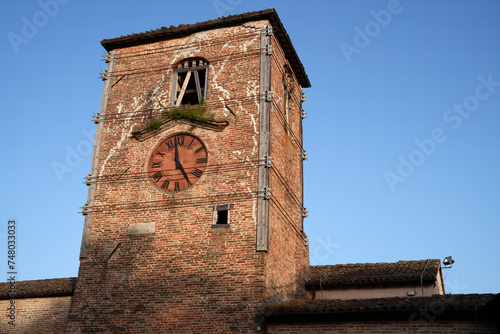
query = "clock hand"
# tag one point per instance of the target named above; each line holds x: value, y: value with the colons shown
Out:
x: 178, y: 164
x: 184, y: 173
x: 176, y: 157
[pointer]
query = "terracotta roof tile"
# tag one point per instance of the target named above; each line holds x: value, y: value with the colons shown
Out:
x: 370, y: 273
x: 396, y: 305
x: 40, y: 288
x: 393, y: 303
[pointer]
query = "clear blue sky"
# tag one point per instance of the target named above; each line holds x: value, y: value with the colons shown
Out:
x: 402, y: 128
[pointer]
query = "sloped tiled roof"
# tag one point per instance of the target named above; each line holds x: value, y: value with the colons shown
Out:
x: 172, y: 32
x: 442, y: 305
x: 40, y: 288
x: 374, y: 273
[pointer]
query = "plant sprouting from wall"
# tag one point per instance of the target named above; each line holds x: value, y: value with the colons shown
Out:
x: 197, y: 113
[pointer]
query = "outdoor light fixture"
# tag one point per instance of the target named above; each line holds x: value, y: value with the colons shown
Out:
x: 448, y: 261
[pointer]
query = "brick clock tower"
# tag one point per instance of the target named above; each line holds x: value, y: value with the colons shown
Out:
x: 194, y: 218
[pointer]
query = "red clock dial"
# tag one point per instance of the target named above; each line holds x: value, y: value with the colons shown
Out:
x: 178, y: 162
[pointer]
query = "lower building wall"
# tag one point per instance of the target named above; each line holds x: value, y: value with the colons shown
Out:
x: 438, y: 327
x: 35, y: 315
x: 376, y: 292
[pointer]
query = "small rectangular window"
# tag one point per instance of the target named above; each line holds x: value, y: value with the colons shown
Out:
x: 221, y: 215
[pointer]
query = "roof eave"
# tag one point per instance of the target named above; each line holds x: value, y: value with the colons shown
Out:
x: 367, y: 315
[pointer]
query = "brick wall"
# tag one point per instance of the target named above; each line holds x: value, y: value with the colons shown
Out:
x: 438, y: 327
x: 187, y: 276
x: 36, y: 315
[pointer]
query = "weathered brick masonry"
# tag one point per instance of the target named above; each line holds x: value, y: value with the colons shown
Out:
x: 187, y: 276
x: 41, y: 306
x: 37, y: 315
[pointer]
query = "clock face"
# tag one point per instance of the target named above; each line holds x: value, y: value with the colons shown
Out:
x: 178, y: 162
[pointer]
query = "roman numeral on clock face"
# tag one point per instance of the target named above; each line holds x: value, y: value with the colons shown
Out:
x: 177, y: 187
x: 196, y: 172
x: 201, y: 161
x: 156, y: 165
x: 157, y: 176
x: 165, y: 184
x: 160, y: 154
x: 170, y: 144
x: 199, y: 150
x: 180, y: 140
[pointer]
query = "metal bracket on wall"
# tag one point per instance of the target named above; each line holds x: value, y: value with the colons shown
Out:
x: 269, y: 96
x: 304, y: 155
x: 269, y: 31
x: 108, y: 57
x: 268, y: 162
x: 269, y: 50
x: 104, y: 75
x: 96, y: 118
x: 90, y: 180
x: 267, y: 193
x: 85, y: 209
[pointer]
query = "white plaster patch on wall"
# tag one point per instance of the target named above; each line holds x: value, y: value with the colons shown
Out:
x: 229, y: 45
x: 137, y: 105
x: 256, y: 25
x: 224, y: 92
x: 142, y: 229
x: 163, y: 95
x: 188, y: 53
x: 120, y: 108
x: 255, y: 141
x: 189, y: 50
x: 203, y: 36
x: 252, y: 88
x: 186, y: 49
x: 254, y: 211
x: 279, y: 100
x: 245, y: 45
x: 248, y: 25
x: 118, y: 144
x: 252, y: 91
